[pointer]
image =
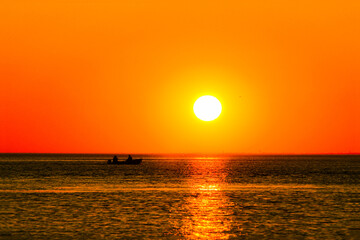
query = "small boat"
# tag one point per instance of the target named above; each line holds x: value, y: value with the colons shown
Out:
x: 127, y: 162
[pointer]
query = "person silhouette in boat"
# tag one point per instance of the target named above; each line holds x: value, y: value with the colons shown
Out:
x: 129, y: 158
x: 115, y: 159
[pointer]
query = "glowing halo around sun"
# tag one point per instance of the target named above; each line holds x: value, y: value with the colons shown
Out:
x: 207, y: 108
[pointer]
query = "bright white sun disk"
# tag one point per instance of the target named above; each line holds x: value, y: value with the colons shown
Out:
x: 207, y: 108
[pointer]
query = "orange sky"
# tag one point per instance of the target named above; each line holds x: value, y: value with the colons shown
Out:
x: 103, y: 76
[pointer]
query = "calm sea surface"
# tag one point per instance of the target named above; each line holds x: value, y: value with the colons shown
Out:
x: 179, y: 197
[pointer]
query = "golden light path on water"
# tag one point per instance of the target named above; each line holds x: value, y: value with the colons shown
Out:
x: 207, y: 210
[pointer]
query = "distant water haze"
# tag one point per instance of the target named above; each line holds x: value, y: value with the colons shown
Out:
x: 248, y: 197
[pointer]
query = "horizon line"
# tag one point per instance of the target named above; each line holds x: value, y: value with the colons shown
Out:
x: 211, y: 154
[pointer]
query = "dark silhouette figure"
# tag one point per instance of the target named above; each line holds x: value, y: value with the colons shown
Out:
x: 115, y: 159
x: 129, y: 159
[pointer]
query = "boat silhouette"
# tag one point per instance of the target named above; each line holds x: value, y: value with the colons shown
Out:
x: 127, y: 162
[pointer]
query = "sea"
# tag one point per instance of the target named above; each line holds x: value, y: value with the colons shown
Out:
x: 80, y: 196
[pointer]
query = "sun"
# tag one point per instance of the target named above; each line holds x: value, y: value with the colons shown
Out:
x: 207, y: 108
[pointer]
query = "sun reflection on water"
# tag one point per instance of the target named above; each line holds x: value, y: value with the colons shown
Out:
x: 207, y: 210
